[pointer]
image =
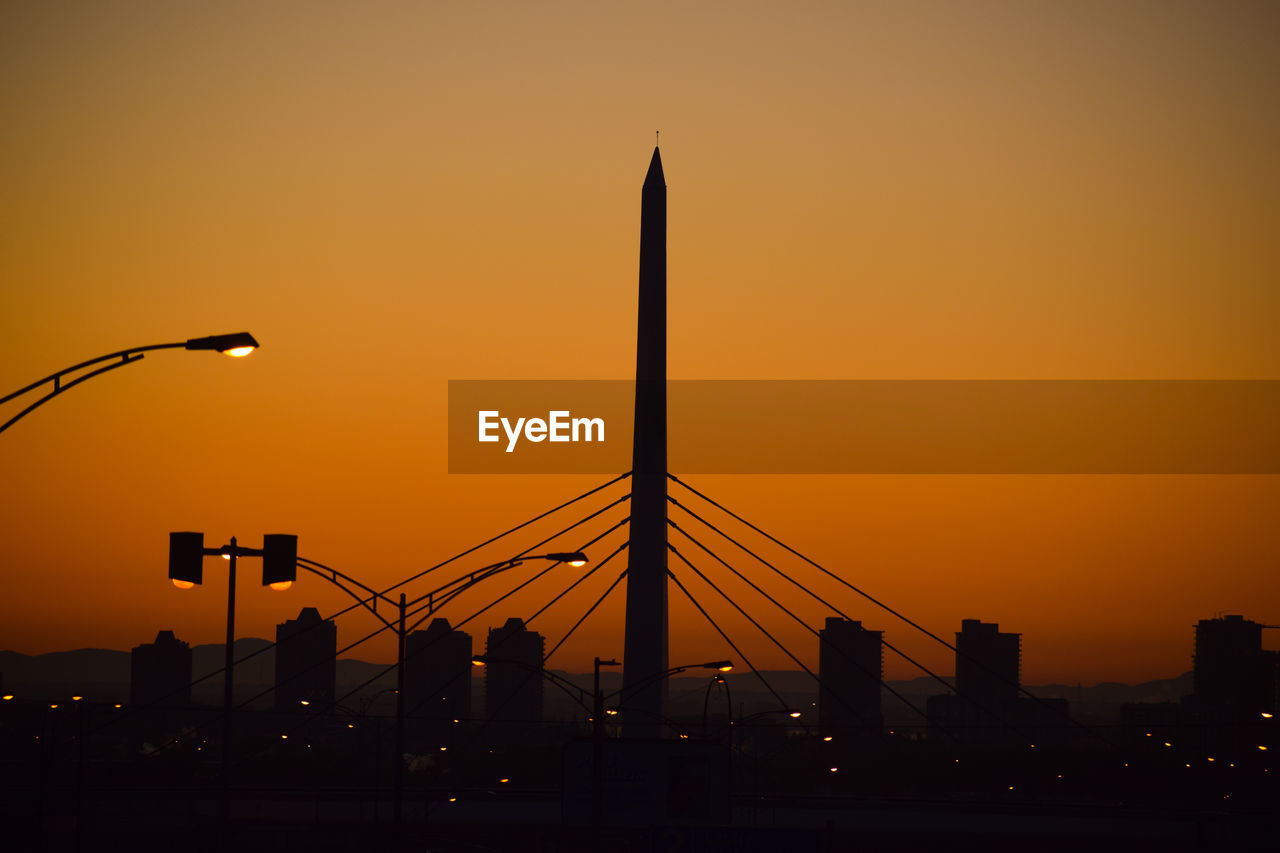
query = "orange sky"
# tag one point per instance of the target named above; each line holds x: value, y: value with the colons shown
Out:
x: 396, y: 195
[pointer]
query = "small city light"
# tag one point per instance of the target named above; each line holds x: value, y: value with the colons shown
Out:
x: 834, y: 769
x: 180, y: 584
x: 683, y: 736
x: 280, y: 586
x: 284, y: 737
x: 504, y: 780
x: 453, y: 799
x: 1210, y: 758
x: 8, y: 697
x: 1266, y: 715
x: 477, y: 661
x: 118, y: 705
x: 1166, y: 743
x: 827, y: 738
x: 304, y: 701
x: 53, y: 705
x: 444, y: 748
x: 1261, y: 747
x: 351, y: 725
x: 76, y: 698
x: 612, y: 712
x: 796, y: 714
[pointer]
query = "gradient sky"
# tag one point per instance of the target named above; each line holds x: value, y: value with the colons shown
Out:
x: 392, y: 195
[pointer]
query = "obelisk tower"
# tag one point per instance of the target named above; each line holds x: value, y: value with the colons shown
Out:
x: 645, y: 650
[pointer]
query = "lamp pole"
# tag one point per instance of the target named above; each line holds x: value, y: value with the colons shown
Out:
x: 228, y: 684
x: 235, y: 345
x: 398, y: 807
x: 279, y: 553
x: 597, y: 747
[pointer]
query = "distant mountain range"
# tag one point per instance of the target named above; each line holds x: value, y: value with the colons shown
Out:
x: 103, y: 675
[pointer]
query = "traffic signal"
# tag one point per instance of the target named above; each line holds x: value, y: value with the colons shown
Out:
x: 186, y: 557
x: 279, y: 558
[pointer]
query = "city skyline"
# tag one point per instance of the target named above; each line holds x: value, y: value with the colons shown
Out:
x: 941, y: 226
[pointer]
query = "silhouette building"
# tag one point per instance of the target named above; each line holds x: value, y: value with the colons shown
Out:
x: 850, y: 670
x: 160, y: 673
x: 1234, y: 678
x: 988, y: 664
x: 306, y: 660
x: 437, y: 681
x: 985, y: 706
x: 512, y: 678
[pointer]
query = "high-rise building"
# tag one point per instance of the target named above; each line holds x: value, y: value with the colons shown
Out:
x: 1234, y: 678
x: 437, y: 683
x: 988, y: 664
x: 986, y: 705
x: 512, y: 679
x: 850, y: 670
x: 160, y: 673
x: 306, y: 661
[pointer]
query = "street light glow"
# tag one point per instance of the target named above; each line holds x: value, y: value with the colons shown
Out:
x: 235, y: 345
x: 280, y: 586
x: 182, y: 584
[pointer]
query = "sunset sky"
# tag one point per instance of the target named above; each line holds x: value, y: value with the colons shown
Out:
x: 393, y: 195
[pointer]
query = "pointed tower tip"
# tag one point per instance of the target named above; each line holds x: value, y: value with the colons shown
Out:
x: 655, y: 169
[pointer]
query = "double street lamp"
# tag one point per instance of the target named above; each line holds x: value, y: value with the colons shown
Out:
x: 235, y: 345
x: 279, y: 553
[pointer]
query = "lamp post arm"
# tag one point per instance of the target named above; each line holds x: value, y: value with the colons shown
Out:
x: 340, y: 580
x: 442, y: 595
x: 558, y: 680
x: 237, y: 344
x: 126, y: 356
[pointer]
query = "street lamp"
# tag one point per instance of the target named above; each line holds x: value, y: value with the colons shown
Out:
x: 717, y: 665
x: 279, y: 553
x: 235, y: 345
x: 434, y: 600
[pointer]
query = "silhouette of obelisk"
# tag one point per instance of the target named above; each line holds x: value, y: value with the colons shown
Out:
x: 645, y: 650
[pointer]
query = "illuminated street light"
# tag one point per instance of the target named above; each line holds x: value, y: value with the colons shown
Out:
x: 236, y: 345
x: 279, y: 553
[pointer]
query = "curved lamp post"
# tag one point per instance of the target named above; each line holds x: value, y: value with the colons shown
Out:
x: 431, y: 602
x: 236, y: 345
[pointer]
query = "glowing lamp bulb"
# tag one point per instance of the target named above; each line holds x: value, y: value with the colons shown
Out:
x: 280, y: 586
x: 238, y: 352
x: 226, y: 556
x: 180, y: 584
x: 577, y: 564
x: 794, y: 714
x: 726, y: 668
